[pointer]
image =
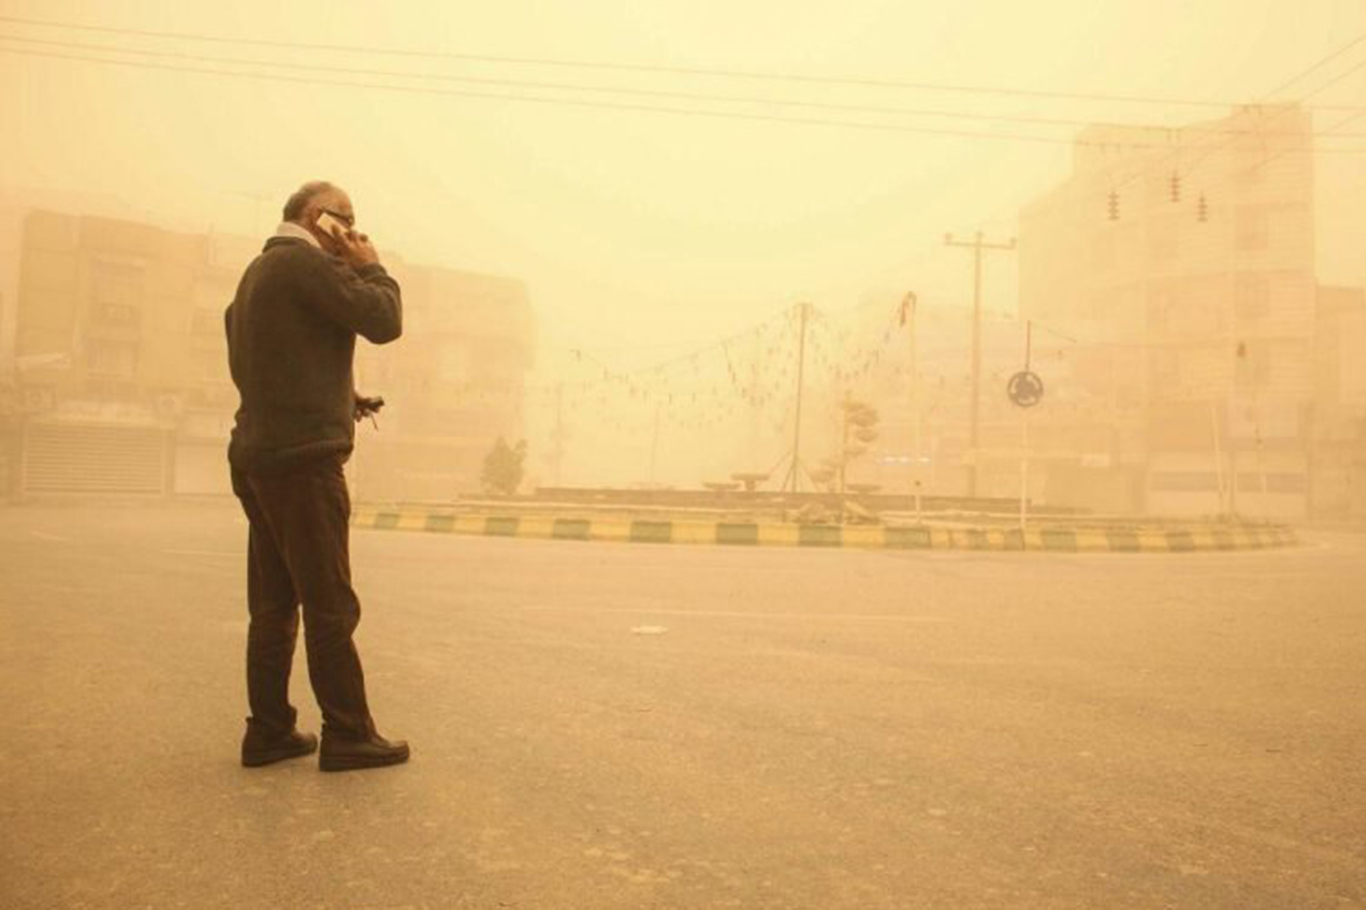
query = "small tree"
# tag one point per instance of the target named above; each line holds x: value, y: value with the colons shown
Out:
x: 503, y: 467
x: 858, y: 431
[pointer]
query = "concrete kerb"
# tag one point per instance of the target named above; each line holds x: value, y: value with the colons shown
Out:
x: 1046, y: 539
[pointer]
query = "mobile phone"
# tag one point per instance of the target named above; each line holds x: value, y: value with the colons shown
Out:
x: 331, y: 226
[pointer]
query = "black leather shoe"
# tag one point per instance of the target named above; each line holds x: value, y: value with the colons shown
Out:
x: 260, y: 748
x: 342, y: 754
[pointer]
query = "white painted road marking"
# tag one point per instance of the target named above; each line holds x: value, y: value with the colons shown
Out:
x: 742, y: 614
x: 222, y: 553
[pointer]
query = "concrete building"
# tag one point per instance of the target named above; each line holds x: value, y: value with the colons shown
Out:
x: 1183, y: 262
x: 119, y: 381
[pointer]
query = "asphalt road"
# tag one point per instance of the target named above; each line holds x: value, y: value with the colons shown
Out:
x: 602, y: 726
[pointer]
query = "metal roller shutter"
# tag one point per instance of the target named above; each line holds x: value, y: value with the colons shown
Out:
x: 92, y: 458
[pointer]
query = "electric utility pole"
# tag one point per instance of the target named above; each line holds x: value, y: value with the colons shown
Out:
x: 977, y: 245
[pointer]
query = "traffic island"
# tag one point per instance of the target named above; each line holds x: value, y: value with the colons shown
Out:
x: 1045, y: 538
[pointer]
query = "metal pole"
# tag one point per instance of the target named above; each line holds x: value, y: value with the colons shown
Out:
x: 910, y: 302
x: 1024, y: 437
x: 559, y: 430
x: 1261, y: 463
x: 803, y: 311
x: 975, y: 431
x: 1024, y: 467
x: 654, y: 445
x: 844, y: 440
x: 1218, y: 453
x: 756, y: 413
x: 977, y: 245
x: 844, y: 450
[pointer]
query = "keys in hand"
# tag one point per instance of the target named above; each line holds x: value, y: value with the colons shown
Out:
x: 368, y: 407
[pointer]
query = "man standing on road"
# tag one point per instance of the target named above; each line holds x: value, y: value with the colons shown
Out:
x: 292, y: 330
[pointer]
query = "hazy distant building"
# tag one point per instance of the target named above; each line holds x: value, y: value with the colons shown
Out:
x: 452, y: 385
x: 1183, y: 262
x: 119, y: 380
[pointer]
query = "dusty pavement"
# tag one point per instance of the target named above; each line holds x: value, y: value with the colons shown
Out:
x: 641, y: 726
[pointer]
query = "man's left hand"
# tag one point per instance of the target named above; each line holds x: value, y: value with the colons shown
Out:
x: 356, y: 249
x: 366, y: 407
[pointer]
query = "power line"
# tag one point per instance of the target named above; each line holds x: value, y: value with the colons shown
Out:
x: 1268, y: 157
x: 1281, y: 114
x: 1329, y: 132
x: 620, y: 90
x: 1316, y: 66
x: 608, y: 105
x: 1270, y: 154
x: 570, y: 102
x: 612, y: 374
x: 867, y: 82
x: 1222, y: 181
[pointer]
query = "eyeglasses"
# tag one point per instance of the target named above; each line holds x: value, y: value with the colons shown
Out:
x: 348, y: 220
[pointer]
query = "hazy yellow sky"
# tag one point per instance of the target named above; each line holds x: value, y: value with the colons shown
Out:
x: 640, y: 228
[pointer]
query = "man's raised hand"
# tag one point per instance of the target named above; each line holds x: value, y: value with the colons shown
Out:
x: 355, y: 248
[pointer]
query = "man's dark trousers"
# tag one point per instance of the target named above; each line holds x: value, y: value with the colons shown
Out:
x: 299, y: 553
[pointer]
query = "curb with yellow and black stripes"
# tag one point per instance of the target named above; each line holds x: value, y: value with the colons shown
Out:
x: 872, y: 537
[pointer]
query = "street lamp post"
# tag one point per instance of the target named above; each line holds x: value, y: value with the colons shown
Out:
x: 908, y: 312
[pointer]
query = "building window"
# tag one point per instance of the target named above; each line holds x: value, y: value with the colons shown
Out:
x: 1276, y: 482
x: 116, y: 315
x: 1253, y: 369
x: 1164, y: 240
x: 1165, y: 368
x: 213, y: 369
x: 39, y: 398
x: 1157, y: 312
x: 1249, y: 174
x: 1253, y: 230
x: 1100, y: 306
x: 209, y: 300
x: 1183, y: 481
x: 1251, y: 298
x: 1103, y: 250
x: 452, y: 366
x: 116, y: 283
x: 111, y: 358
x: 206, y: 321
x: 1248, y: 169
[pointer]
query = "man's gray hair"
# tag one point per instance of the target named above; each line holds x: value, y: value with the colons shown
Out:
x: 295, y: 205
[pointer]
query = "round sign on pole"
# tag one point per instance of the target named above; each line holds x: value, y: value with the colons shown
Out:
x: 1025, y: 389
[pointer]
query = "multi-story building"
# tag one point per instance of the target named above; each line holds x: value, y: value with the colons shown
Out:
x: 120, y: 379
x: 1183, y: 262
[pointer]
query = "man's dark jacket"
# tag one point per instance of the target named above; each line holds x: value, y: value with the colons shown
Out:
x: 292, y: 331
